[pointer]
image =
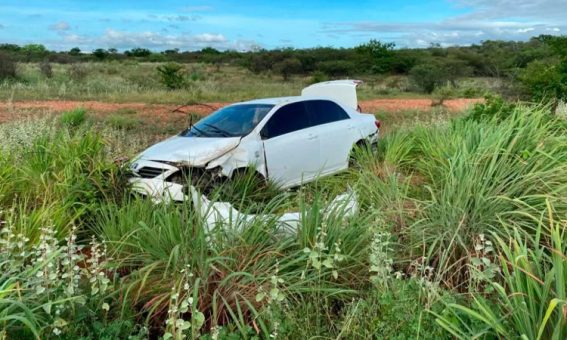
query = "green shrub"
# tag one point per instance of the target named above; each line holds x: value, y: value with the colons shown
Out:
x: 318, y: 77
x: 171, y: 75
x: 73, y: 118
x: 335, y: 68
x: 77, y: 72
x: 384, y: 314
x: 427, y: 76
x: 287, y: 67
x: 7, y: 66
x: 45, y: 69
x: 493, y: 107
x: 440, y: 94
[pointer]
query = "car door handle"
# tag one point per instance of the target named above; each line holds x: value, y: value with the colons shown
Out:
x: 311, y: 137
x: 350, y: 127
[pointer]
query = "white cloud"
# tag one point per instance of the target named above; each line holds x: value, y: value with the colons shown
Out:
x: 60, y: 26
x: 487, y: 19
x: 210, y: 38
x: 531, y: 9
x: 156, y: 41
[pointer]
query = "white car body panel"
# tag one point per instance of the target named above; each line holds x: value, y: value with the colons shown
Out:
x: 341, y: 91
x: 193, y: 151
x: 289, y: 160
x: 293, y: 158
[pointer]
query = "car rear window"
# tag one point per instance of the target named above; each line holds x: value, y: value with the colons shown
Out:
x: 324, y: 111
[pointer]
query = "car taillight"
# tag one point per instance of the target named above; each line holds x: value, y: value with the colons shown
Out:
x: 378, y: 124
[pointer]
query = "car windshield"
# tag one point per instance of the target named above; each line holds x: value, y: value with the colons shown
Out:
x: 231, y: 121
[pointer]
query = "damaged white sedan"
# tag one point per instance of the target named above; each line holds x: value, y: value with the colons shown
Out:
x: 288, y: 140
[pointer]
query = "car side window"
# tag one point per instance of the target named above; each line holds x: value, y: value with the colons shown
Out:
x: 324, y: 111
x: 289, y: 118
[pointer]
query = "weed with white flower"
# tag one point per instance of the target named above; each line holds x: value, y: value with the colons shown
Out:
x: 181, y: 303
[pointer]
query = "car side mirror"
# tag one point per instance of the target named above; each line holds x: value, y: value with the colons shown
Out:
x: 264, y: 134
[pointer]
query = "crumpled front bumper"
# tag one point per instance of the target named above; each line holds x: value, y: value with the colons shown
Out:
x: 157, y: 188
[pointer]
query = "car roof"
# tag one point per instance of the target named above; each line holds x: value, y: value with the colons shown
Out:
x: 272, y: 101
x: 283, y: 100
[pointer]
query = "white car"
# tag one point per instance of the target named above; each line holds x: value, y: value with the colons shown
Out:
x: 288, y: 140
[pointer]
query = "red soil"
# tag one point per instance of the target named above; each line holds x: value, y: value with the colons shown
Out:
x: 13, y: 110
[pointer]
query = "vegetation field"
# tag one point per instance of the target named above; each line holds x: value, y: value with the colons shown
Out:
x: 461, y: 228
x: 461, y: 233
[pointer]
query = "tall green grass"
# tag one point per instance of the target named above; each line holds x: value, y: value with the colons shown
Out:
x: 155, y: 244
x: 462, y: 221
x: 530, y: 299
x: 469, y: 175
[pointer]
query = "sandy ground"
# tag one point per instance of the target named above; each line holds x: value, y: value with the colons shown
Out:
x: 14, y: 110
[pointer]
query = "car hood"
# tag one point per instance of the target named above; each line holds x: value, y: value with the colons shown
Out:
x: 192, y: 151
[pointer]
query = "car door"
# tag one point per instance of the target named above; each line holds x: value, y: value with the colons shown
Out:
x: 291, y: 147
x: 336, y: 133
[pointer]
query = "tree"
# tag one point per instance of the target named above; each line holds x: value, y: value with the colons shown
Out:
x: 335, y: 68
x: 75, y: 51
x: 34, y: 51
x: 138, y: 52
x: 376, y: 56
x: 171, y: 52
x: 546, y: 80
x: 100, y: 53
x: 288, y: 67
x: 210, y: 50
x: 436, y: 72
x: 7, y: 66
x: 427, y: 76
x: 10, y: 47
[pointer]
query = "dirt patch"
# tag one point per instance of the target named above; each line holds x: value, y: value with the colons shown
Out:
x: 393, y: 105
x: 166, y: 112
x: 13, y: 110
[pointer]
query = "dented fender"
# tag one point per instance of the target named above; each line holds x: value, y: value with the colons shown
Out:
x: 250, y: 152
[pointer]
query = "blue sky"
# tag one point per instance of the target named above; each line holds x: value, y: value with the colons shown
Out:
x: 245, y: 25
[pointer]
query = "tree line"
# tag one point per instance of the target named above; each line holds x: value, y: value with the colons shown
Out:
x: 539, y: 63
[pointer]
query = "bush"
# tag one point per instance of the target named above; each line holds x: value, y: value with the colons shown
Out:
x: 45, y: 69
x: 77, y: 72
x: 427, y: 76
x: 441, y: 94
x: 335, y: 68
x: 318, y: 77
x: 376, y: 56
x: 437, y: 72
x: 494, y: 107
x: 171, y: 75
x: 287, y: 67
x: 73, y: 118
x: 7, y: 66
